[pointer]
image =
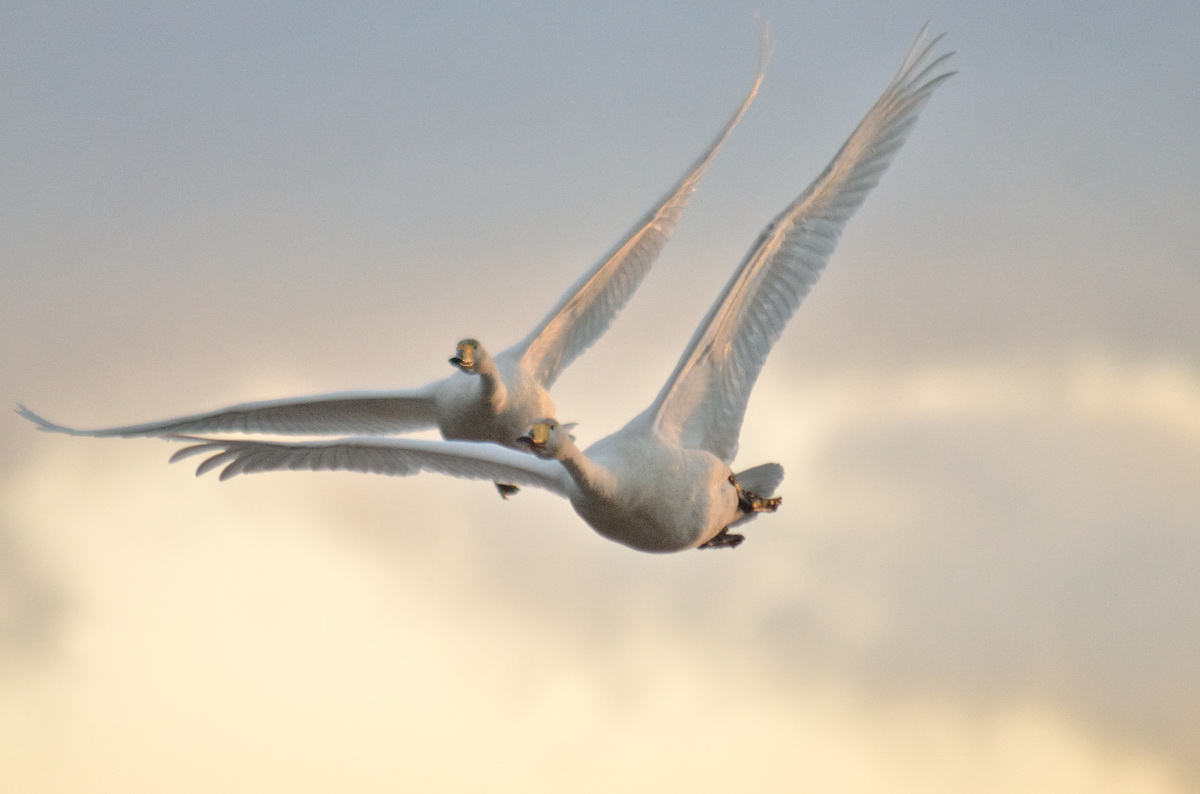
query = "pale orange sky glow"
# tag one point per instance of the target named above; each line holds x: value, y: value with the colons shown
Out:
x: 982, y: 578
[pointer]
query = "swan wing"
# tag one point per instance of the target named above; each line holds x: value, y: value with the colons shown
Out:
x: 703, y: 402
x: 584, y: 313
x: 397, y: 457
x: 340, y: 413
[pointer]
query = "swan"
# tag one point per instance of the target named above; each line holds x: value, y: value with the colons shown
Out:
x: 490, y: 398
x: 662, y: 483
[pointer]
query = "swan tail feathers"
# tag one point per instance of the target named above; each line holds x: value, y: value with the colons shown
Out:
x: 761, y: 480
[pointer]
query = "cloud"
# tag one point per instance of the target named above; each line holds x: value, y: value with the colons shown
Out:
x: 303, y: 632
x: 995, y: 533
x: 33, y: 601
x: 982, y: 575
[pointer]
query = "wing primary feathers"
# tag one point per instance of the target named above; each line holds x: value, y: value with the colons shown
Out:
x: 213, y: 462
x: 189, y: 451
x: 584, y: 313
x: 397, y: 457
x: 322, y: 414
x: 704, y: 401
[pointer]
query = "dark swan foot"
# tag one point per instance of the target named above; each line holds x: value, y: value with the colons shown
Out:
x: 752, y: 503
x: 506, y: 489
x: 723, y: 539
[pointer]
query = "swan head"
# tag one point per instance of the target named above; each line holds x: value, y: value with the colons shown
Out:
x: 546, y: 438
x: 468, y: 355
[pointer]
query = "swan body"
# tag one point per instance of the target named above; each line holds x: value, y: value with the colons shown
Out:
x: 491, y: 398
x: 491, y: 402
x: 635, y: 489
x: 663, y: 482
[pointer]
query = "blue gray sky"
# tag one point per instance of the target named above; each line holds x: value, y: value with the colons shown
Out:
x: 983, y: 574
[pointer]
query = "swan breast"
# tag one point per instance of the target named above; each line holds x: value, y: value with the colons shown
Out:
x: 658, y: 498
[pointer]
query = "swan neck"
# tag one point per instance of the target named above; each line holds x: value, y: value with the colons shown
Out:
x: 588, y: 475
x: 494, y: 390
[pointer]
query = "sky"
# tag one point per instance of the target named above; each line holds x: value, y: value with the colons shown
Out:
x: 983, y: 574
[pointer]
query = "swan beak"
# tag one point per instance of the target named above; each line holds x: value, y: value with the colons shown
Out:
x: 465, y: 359
x: 535, y: 440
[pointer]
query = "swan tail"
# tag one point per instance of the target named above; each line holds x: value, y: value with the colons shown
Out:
x: 761, y: 480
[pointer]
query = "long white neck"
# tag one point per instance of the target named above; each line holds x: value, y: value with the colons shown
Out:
x: 588, y: 475
x: 494, y: 390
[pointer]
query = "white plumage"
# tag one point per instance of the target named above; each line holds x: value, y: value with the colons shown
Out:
x: 663, y: 482
x: 490, y: 398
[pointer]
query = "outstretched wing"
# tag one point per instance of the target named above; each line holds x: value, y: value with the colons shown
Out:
x: 397, y: 457
x: 343, y: 412
x: 703, y: 402
x: 589, y: 307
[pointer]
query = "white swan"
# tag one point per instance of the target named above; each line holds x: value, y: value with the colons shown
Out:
x: 489, y: 398
x: 663, y: 482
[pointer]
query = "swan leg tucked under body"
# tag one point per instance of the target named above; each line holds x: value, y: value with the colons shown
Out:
x: 753, y: 503
x: 663, y: 482
x: 749, y: 503
x: 507, y: 489
x: 492, y: 399
x: 723, y: 540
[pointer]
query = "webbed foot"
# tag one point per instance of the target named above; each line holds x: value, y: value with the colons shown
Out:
x: 760, y: 505
x: 723, y: 539
x: 752, y: 503
x: 506, y: 489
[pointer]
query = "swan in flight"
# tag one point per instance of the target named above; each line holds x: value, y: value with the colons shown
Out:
x: 489, y: 398
x: 663, y: 482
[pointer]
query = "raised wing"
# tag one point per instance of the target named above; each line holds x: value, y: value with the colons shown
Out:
x: 589, y: 307
x: 397, y: 457
x: 323, y: 414
x: 703, y: 402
